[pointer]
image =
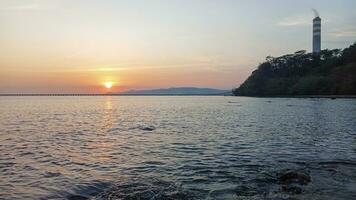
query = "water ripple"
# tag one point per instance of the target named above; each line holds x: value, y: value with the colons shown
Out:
x: 175, y: 147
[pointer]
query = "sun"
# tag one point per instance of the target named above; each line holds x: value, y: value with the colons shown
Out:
x: 108, y: 85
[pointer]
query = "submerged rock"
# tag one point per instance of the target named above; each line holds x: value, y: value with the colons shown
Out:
x: 143, y: 128
x: 292, y: 189
x: 77, y: 197
x: 289, y: 177
x: 293, y: 181
x: 147, y: 128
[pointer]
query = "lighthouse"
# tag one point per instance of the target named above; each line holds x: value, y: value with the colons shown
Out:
x: 316, y: 35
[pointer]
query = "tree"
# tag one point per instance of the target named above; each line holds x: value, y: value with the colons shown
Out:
x: 330, y: 72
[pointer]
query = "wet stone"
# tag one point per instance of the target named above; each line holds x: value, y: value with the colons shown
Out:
x: 289, y: 177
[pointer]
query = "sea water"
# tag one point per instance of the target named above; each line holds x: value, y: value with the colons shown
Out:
x: 175, y: 147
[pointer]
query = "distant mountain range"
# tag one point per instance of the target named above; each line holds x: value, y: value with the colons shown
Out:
x: 178, y: 91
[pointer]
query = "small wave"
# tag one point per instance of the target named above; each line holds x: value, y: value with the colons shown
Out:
x: 52, y: 174
x: 88, y: 190
x: 236, y: 103
x: 338, y: 163
x: 150, y: 189
x: 153, y: 163
x: 116, y: 129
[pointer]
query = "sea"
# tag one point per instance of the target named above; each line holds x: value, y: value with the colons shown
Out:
x: 176, y: 147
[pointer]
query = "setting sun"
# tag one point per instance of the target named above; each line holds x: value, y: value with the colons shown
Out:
x: 108, y: 85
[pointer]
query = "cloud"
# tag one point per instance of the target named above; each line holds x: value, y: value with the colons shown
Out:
x: 127, y: 67
x: 342, y: 33
x: 34, y: 5
x: 295, y: 21
x: 22, y: 7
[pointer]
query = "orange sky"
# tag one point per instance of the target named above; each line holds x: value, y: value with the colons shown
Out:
x: 92, y: 81
x: 65, y: 46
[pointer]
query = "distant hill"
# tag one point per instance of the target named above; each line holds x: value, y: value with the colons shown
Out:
x: 332, y: 72
x: 178, y: 91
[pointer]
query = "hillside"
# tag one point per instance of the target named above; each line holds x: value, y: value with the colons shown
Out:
x: 177, y: 91
x: 332, y: 72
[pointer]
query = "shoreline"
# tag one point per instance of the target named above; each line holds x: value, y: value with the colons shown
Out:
x: 19, y: 95
x: 306, y: 96
x: 276, y: 96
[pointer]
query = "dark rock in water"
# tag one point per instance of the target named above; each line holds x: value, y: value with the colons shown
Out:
x: 294, y: 177
x: 292, y: 189
x: 148, y: 128
x: 77, y: 197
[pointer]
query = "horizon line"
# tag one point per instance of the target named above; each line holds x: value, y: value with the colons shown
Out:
x: 109, y: 94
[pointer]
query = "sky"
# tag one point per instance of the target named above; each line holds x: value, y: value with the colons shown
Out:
x: 65, y: 46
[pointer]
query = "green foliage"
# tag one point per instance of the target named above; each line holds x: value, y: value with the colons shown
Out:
x: 331, y: 72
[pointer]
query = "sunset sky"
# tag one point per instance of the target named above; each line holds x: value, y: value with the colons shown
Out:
x: 76, y: 46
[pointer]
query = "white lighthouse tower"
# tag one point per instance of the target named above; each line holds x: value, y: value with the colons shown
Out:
x: 316, y: 34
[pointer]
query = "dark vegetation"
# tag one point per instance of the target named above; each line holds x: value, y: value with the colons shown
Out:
x: 331, y: 72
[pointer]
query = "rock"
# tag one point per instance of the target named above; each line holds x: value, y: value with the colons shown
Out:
x: 148, y: 128
x: 77, y: 197
x: 292, y: 189
x: 294, y: 177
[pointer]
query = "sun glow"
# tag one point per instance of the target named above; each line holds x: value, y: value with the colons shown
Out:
x: 108, y: 85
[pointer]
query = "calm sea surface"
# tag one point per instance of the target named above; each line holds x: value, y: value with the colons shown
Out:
x: 175, y: 147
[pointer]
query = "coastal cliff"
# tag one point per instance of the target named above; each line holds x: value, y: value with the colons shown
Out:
x: 331, y: 72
